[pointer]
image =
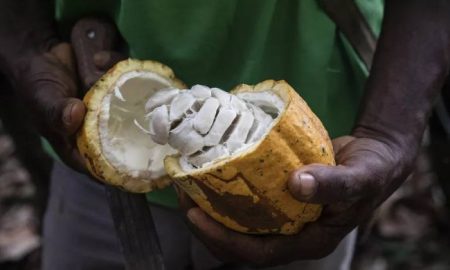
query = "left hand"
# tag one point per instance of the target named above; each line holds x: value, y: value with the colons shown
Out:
x: 367, y: 172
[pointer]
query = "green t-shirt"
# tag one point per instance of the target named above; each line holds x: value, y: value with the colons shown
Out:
x: 227, y: 42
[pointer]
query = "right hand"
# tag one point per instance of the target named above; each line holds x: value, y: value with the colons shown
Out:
x: 50, y: 88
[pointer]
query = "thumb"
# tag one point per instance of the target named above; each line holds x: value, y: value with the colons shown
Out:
x: 72, y: 115
x: 60, y: 114
x: 327, y: 184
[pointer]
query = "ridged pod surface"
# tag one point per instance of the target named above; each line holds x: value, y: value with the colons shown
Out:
x: 247, y: 192
x: 89, y: 138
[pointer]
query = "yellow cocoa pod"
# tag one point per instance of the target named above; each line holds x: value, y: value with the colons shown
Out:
x: 116, y: 151
x: 246, y: 191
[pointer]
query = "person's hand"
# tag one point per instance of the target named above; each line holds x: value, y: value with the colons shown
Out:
x: 52, y: 90
x: 367, y: 172
x: 398, y: 99
x: 49, y: 86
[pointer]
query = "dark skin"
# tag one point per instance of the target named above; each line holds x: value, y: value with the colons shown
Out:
x: 410, y: 67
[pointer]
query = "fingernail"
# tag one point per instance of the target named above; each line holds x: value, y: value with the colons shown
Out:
x: 67, y: 114
x: 308, y: 185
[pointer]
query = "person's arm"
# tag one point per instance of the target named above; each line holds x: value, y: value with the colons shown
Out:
x: 410, y: 67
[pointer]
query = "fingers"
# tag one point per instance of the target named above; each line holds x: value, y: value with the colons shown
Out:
x: 315, y: 241
x: 71, y: 118
x: 224, y: 243
x: 341, y: 142
x: 49, y: 87
x: 57, y: 113
x: 63, y: 51
x: 346, y: 189
x: 63, y: 117
x: 105, y: 60
x: 227, y: 245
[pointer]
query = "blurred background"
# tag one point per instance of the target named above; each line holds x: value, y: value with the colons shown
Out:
x: 411, y: 230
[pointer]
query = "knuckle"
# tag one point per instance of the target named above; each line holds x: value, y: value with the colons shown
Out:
x: 359, y: 184
x: 348, y: 185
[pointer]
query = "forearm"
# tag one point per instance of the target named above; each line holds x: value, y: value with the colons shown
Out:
x: 26, y: 27
x: 410, y: 66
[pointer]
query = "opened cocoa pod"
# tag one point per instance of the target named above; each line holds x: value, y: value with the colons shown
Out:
x: 232, y: 153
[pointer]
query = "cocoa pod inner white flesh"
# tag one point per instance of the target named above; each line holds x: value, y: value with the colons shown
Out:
x: 206, y: 124
x: 124, y: 129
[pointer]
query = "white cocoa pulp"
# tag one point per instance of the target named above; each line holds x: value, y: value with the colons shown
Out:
x: 207, y: 124
x: 121, y: 119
